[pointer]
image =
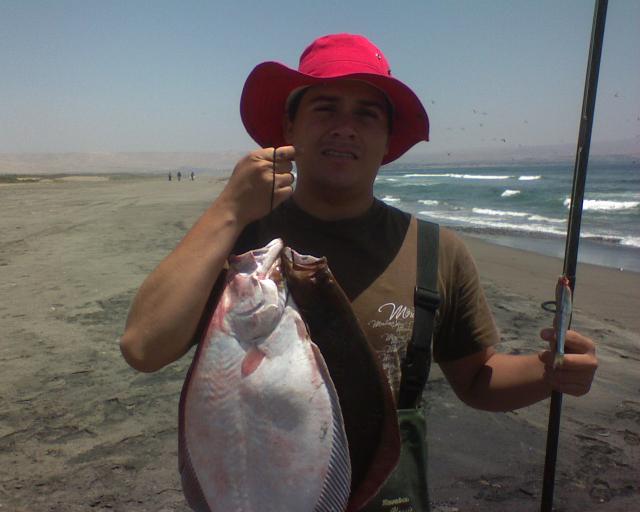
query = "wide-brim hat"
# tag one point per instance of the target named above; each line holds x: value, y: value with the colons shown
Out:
x: 330, y: 58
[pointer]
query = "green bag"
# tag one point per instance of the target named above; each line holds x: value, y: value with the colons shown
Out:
x: 406, y: 489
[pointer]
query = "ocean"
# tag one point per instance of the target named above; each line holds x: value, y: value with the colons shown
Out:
x: 527, y: 205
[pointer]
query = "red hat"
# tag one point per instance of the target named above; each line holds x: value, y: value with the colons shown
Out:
x: 328, y: 58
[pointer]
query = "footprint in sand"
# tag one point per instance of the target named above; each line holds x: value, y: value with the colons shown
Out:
x: 631, y: 437
x: 597, y: 430
x: 600, y: 491
x: 630, y: 411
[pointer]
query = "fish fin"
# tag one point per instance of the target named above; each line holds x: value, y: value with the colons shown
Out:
x: 251, y: 361
x: 192, y: 489
x: 337, y: 483
x: 190, y: 483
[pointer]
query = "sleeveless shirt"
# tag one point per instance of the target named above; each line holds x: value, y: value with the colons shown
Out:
x: 373, y: 258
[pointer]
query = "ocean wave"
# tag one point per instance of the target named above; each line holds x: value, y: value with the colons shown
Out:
x: 498, y: 225
x: 390, y: 199
x: 529, y: 216
x: 540, y: 218
x: 529, y: 178
x: 429, y: 202
x: 631, y: 241
x: 498, y: 213
x: 494, y: 224
x: 604, y: 205
x: 612, y: 239
x: 459, y: 176
x: 510, y: 193
x: 628, y: 195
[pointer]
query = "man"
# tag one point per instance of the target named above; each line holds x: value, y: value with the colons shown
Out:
x: 340, y: 117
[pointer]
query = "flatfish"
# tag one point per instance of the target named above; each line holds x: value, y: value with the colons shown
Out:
x: 367, y: 403
x: 260, y: 423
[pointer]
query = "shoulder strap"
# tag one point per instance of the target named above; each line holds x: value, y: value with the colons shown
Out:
x: 415, y: 368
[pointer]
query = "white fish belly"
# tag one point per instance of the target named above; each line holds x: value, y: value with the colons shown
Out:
x: 265, y: 441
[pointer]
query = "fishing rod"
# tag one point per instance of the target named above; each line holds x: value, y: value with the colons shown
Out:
x: 573, y: 229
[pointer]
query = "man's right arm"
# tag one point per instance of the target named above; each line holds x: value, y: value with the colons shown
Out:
x: 167, y: 308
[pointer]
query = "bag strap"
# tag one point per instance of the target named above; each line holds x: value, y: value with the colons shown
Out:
x: 426, y: 300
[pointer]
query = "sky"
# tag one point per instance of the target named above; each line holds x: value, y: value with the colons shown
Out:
x: 123, y: 76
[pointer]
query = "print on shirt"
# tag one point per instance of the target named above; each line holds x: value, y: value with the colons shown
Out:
x: 392, y: 325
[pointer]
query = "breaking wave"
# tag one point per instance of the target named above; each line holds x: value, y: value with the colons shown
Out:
x: 498, y: 213
x: 510, y: 193
x: 540, y: 218
x: 536, y: 225
x: 631, y: 241
x: 459, y: 176
x: 529, y: 178
x: 599, y: 205
x: 494, y: 224
x: 530, y: 217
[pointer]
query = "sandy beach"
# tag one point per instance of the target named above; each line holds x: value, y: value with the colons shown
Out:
x: 80, y: 430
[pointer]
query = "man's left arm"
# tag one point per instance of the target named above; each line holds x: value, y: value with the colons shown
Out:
x: 502, y: 382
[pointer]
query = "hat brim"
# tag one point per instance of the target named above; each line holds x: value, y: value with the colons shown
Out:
x: 268, y: 86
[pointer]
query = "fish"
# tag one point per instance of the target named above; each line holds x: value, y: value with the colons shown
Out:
x: 562, y: 318
x: 260, y: 426
x: 367, y: 402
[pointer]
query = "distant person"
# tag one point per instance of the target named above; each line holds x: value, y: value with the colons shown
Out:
x: 179, y: 175
x: 192, y: 175
x: 169, y: 176
x: 341, y: 116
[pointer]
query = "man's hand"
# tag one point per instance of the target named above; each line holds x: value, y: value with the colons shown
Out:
x: 248, y: 192
x: 575, y: 375
x: 166, y: 310
x: 503, y: 382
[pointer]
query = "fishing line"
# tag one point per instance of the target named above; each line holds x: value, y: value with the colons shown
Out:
x: 273, y: 182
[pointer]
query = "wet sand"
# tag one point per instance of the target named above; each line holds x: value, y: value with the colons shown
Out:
x: 80, y: 430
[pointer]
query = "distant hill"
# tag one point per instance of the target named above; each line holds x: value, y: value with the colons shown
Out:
x: 106, y: 163
x: 616, y: 150
x: 222, y: 162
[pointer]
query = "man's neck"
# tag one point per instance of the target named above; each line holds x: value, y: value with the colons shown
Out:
x: 332, y: 206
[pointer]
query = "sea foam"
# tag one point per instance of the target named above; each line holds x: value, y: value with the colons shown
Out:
x: 459, y: 176
x: 540, y: 218
x: 631, y: 241
x: 494, y: 224
x: 604, y: 206
x: 498, y: 213
x: 529, y: 178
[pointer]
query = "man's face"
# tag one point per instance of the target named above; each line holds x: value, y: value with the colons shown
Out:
x: 340, y: 133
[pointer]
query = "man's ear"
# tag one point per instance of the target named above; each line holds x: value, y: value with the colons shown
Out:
x: 287, y: 129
